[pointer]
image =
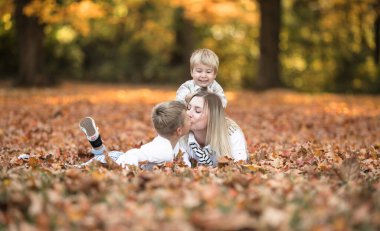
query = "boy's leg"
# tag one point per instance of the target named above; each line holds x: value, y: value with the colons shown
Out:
x: 87, y: 125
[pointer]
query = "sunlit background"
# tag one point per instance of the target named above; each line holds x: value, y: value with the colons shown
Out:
x: 314, y: 157
x: 325, y: 45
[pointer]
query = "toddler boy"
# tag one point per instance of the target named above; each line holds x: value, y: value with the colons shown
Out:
x: 204, y: 64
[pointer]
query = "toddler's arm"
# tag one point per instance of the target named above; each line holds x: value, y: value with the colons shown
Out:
x: 182, y: 93
x: 217, y: 89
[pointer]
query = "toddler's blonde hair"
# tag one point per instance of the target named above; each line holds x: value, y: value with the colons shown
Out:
x: 204, y: 56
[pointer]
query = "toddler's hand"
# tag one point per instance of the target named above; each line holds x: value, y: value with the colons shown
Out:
x: 188, y: 97
x: 203, y: 89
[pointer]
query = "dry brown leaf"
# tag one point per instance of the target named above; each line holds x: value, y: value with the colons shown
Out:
x: 216, y: 221
x: 314, y: 164
x: 349, y: 169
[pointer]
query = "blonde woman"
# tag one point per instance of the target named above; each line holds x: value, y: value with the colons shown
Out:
x: 212, y: 135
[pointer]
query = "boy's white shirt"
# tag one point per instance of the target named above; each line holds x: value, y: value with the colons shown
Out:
x: 158, y: 151
x: 237, y: 141
x: 190, y: 87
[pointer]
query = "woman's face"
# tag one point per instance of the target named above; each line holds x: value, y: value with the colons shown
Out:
x: 197, y: 113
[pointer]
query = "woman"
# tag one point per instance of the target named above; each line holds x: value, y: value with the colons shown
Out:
x: 212, y: 135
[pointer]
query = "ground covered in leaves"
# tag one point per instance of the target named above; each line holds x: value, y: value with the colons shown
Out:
x: 314, y: 164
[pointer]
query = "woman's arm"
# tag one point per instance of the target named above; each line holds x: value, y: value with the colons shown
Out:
x: 238, y: 142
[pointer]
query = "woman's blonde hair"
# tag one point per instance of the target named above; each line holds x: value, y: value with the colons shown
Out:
x: 217, y: 124
x: 204, y: 56
x: 168, y: 116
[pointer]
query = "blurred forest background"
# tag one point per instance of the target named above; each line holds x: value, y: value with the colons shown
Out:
x: 307, y: 45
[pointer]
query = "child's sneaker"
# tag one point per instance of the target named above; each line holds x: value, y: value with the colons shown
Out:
x: 87, y: 125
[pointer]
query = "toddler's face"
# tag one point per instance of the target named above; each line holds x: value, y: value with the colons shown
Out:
x: 203, y: 75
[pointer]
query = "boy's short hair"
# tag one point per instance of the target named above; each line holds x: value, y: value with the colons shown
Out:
x: 206, y: 57
x: 168, y: 116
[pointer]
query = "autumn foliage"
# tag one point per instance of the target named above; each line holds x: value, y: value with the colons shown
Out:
x: 314, y: 164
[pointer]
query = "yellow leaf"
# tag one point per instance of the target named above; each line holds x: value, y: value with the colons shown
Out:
x: 33, y: 162
x: 251, y: 167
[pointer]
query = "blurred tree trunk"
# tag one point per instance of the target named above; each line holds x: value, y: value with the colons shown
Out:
x: 184, y: 44
x: 269, y: 66
x: 377, y: 39
x: 30, y: 35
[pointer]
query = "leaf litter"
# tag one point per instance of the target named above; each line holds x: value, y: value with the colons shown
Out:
x: 314, y: 164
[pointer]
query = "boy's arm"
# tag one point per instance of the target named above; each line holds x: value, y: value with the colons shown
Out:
x: 186, y: 158
x: 185, y: 154
x: 157, y: 151
x: 130, y: 158
x: 136, y: 155
x: 217, y: 89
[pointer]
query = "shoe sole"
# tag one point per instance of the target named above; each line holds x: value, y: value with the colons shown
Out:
x: 86, y: 123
